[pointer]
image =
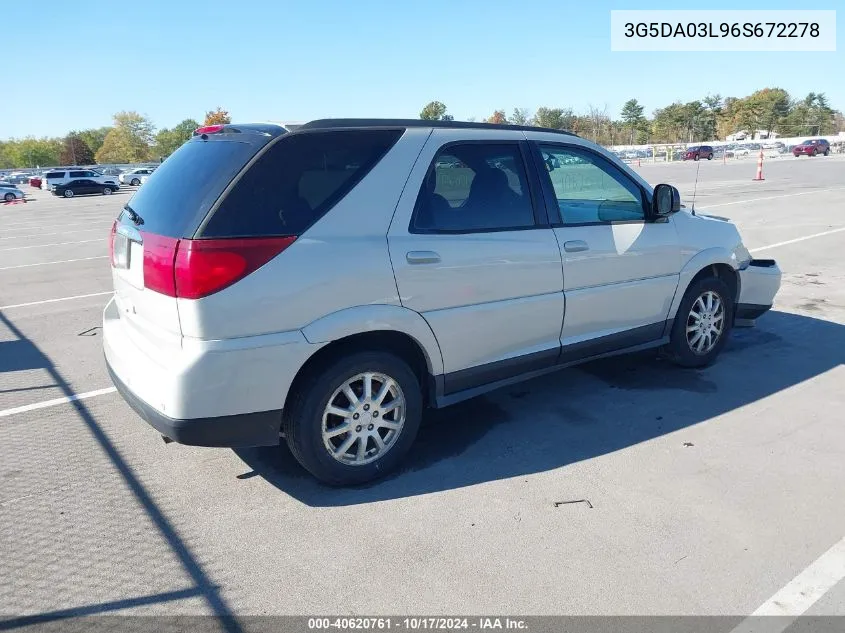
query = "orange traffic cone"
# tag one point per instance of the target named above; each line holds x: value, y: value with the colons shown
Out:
x: 759, y: 167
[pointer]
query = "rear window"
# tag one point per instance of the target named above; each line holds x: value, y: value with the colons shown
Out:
x: 55, y: 174
x: 187, y: 184
x: 297, y: 181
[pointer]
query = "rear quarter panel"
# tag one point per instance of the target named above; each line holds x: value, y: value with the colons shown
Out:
x: 341, y: 262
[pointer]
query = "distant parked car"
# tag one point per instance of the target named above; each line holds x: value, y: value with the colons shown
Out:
x: 84, y: 186
x: 62, y: 176
x: 699, y: 151
x: 133, y: 176
x: 10, y: 192
x: 812, y: 147
x: 35, y: 181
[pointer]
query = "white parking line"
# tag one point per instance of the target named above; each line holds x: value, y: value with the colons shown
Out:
x: 52, y: 403
x: 35, y: 303
x: 30, y: 226
x: 797, y: 239
x: 15, y: 237
x: 786, y: 195
x: 800, y: 593
x: 20, y: 248
x: 64, y: 261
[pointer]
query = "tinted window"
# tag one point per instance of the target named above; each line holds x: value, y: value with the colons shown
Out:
x: 589, y: 189
x: 474, y: 187
x: 296, y: 181
x: 189, y: 182
x: 79, y: 174
x: 55, y: 174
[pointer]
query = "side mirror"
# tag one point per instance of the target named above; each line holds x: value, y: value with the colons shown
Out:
x: 665, y: 201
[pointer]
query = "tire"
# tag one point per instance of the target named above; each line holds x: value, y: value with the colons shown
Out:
x: 68, y: 193
x: 815, y: 153
x: 680, y: 348
x: 709, y: 156
x: 9, y: 197
x: 305, y: 416
x: 107, y: 191
x: 135, y: 182
x: 827, y: 152
x: 696, y: 157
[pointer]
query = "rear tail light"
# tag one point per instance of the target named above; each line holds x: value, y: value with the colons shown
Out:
x: 193, y: 269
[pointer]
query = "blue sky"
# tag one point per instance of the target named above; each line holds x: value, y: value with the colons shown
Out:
x: 293, y: 61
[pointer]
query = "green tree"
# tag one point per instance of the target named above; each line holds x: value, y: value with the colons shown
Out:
x: 555, y: 118
x: 520, y: 116
x: 75, y: 151
x: 168, y: 141
x: 434, y: 111
x: 632, y: 116
x: 497, y: 117
x: 94, y: 138
x: 129, y: 141
x: 217, y: 117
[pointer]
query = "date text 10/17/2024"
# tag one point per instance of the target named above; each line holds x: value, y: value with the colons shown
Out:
x: 417, y: 624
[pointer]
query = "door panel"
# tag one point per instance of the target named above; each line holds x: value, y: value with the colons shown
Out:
x: 468, y: 255
x: 620, y: 270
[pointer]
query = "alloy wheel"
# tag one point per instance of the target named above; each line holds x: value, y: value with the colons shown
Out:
x: 705, y: 322
x: 363, y: 418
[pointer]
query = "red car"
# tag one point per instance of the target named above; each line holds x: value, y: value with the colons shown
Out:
x: 35, y: 181
x: 699, y: 151
x: 812, y: 147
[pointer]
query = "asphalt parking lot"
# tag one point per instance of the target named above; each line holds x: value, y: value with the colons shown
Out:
x: 704, y: 492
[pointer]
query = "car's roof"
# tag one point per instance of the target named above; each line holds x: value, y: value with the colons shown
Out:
x: 424, y: 123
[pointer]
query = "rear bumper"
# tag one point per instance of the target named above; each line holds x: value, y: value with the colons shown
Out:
x: 204, y: 393
x: 759, y: 283
x: 234, y: 431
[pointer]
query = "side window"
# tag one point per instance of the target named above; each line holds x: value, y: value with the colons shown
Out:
x: 589, y: 189
x: 297, y: 181
x: 474, y: 187
x: 78, y: 174
x: 89, y: 174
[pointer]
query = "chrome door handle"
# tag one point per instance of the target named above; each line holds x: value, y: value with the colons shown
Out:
x: 422, y: 257
x: 575, y: 246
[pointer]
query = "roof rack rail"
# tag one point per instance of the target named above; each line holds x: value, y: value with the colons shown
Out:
x: 359, y: 123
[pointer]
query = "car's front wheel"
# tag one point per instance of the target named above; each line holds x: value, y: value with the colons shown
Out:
x: 354, y: 420
x: 107, y: 191
x: 815, y: 153
x: 135, y: 182
x: 9, y: 197
x: 702, y: 324
x: 68, y: 193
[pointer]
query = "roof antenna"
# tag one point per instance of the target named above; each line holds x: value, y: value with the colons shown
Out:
x: 695, y: 188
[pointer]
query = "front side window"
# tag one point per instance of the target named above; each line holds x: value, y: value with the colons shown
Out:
x: 589, y: 189
x: 473, y: 187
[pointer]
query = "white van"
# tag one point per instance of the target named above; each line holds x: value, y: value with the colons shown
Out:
x: 60, y: 176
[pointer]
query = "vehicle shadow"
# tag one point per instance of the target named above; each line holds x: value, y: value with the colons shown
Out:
x: 580, y: 413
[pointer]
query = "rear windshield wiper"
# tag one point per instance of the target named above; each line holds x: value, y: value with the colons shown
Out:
x: 136, y: 219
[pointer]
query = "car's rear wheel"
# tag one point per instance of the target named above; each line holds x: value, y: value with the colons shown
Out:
x: 709, y: 156
x: 815, y: 152
x: 68, y: 193
x: 135, y: 182
x: 354, y: 420
x: 702, y: 324
x: 107, y: 191
x: 695, y: 157
x: 9, y: 197
x: 827, y: 152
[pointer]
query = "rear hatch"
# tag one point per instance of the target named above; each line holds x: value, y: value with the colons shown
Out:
x: 166, y: 211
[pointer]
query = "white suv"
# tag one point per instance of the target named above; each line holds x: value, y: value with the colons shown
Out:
x: 62, y: 176
x: 328, y: 284
x: 135, y: 177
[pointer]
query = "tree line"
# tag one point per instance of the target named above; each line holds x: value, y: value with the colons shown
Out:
x: 132, y: 138
x: 711, y: 118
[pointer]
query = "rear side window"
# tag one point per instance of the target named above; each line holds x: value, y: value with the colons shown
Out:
x: 55, y: 174
x: 78, y: 174
x: 297, y: 181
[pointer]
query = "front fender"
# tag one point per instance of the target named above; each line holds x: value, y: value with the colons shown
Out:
x: 373, y: 318
x: 696, y: 264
